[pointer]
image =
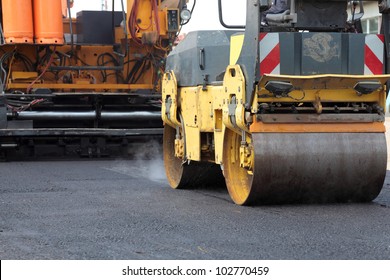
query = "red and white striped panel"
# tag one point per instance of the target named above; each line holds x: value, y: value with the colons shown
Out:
x: 374, y: 54
x: 269, y: 53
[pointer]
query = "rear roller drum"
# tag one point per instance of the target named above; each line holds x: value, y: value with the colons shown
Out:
x: 182, y: 174
x: 306, y: 167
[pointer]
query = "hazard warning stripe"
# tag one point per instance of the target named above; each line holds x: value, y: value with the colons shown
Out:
x: 374, y: 54
x: 269, y: 53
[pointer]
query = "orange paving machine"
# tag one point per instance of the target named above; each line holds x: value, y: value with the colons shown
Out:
x: 88, y: 84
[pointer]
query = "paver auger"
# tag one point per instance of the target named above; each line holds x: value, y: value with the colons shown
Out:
x: 292, y: 111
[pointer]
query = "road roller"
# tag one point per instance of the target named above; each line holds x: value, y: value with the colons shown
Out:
x: 289, y: 108
x: 85, y: 84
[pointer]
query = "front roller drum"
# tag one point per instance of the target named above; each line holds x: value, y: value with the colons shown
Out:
x: 307, y: 167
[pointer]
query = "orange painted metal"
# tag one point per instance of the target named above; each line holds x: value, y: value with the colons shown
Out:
x: 64, y: 5
x: 318, y: 127
x: 18, y: 21
x: 48, y: 26
x: 90, y: 87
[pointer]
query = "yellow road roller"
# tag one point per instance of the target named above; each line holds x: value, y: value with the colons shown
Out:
x: 289, y: 108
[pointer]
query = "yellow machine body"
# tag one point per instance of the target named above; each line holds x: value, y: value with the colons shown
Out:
x: 206, y: 111
x: 204, y: 115
x: 313, y: 138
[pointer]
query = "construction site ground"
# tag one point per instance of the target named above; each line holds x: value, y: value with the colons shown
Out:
x: 124, y: 209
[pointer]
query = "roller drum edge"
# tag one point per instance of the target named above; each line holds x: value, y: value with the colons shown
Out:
x: 191, y: 174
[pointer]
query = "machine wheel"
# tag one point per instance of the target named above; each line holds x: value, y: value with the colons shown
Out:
x: 238, y: 180
x: 306, y: 167
x: 182, y: 175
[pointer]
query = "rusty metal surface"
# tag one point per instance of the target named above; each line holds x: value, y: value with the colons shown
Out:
x: 318, y: 167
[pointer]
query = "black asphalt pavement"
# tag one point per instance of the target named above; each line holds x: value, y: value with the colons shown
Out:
x: 124, y: 209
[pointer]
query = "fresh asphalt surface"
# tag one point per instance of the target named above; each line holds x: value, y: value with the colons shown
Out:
x: 124, y: 209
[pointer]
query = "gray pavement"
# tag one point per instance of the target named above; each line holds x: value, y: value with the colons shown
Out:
x: 126, y: 210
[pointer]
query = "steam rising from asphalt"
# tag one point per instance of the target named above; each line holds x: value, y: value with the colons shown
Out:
x: 147, y: 162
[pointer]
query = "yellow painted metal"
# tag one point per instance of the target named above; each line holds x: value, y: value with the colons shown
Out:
x: 238, y: 179
x: 144, y: 15
x: 147, y: 58
x: 189, y: 103
x: 326, y: 80
x: 179, y: 148
x: 87, y: 55
x: 197, y: 107
x: 19, y: 75
x: 345, y: 127
x: 219, y: 127
x: 327, y: 88
x: 247, y: 154
x: 197, y: 112
x: 234, y: 93
x: 201, y: 111
x: 213, y: 109
x: 219, y: 110
x: 236, y: 43
x: 326, y: 95
x: 146, y: 21
x: 169, y: 107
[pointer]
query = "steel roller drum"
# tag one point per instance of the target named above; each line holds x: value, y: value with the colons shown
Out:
x: 316, y: 167
x: 188, y: 174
